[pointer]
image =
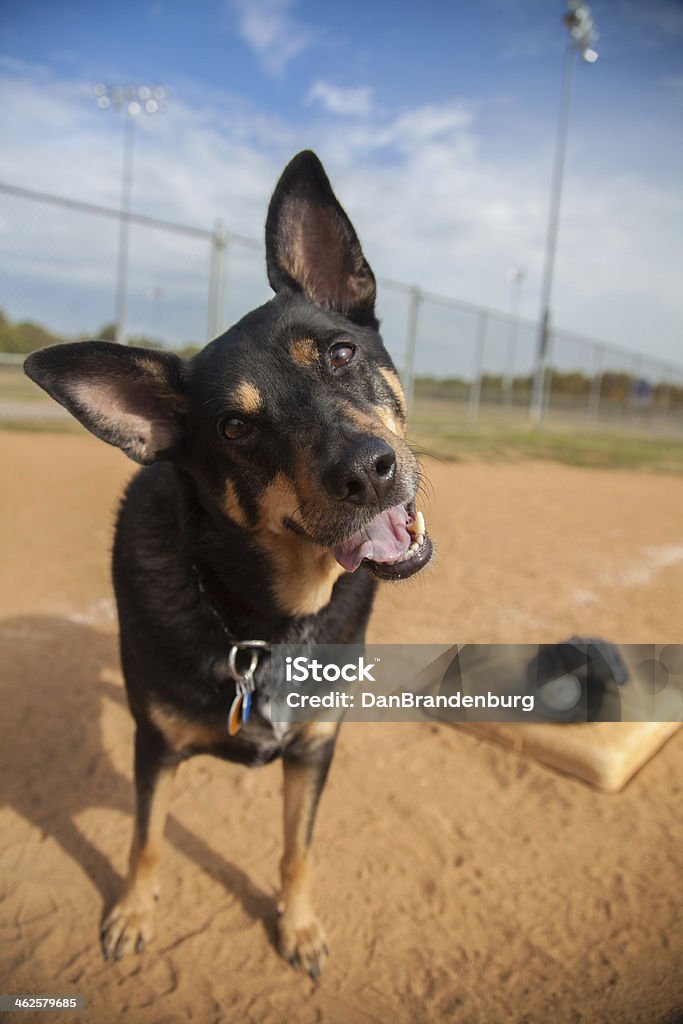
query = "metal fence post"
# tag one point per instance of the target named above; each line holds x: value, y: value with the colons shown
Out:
x: 547, y: 381
x: 615, y: 404
x: 475, y: 386
x: 219, y: 245
x: 538, y: 378
x: 509, y: 369
x: 637, y: 396
x: 660, y: 408
x: 593, y: 403
x: 411, y: 342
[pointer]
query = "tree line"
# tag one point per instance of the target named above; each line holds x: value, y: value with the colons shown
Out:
x: 615, y: 385
x: 22, y: 337
x: 25, y: 336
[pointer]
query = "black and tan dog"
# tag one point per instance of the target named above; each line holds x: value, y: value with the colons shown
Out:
x: 276, y: 467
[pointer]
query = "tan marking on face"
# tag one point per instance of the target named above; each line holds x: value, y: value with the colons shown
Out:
x: 278, y: 502
x: 396, y: 424
x: 381, y: 418
x: 395, y: 387
x: 390, y: 422
x: 382, y: 423
x: 307, y: 577
x: 361, y: 419
x: 304, y: 573
x: 181, y: 734
x: 248, y: 397
x: 304, y: 351
x: 233, y: 507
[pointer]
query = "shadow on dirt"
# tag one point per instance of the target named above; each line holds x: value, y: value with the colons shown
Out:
x: 52, y: 761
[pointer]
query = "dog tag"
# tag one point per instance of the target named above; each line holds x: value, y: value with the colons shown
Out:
x: 235, y: 715
x: 240, y: 708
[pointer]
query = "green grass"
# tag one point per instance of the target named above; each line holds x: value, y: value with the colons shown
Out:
x: 46, y: 426
x: 606, y: 451
x: 438, y: 428
x: 14, y: 384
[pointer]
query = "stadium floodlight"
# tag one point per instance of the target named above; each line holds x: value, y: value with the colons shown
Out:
x: 582, y: 37
x: 131, y: 101
x: 582, y: 33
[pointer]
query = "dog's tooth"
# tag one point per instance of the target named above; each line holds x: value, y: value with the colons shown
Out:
x: 420, y: 524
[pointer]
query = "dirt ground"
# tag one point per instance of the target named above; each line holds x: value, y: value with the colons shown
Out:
x: 457, y: 881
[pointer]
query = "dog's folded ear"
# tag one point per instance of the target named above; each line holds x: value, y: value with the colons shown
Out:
x: 311, y: 245
x: 128, y: 397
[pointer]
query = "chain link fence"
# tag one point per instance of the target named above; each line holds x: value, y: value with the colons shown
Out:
x: 460, y: 363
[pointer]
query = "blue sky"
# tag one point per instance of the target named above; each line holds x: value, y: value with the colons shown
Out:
x: 436, y: 123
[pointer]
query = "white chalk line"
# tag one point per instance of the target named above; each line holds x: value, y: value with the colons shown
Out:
x: 649, y: 563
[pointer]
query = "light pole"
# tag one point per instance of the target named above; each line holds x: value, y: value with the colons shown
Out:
x: 133, y: 101
x: 582, y: 35
x: 516, y: 277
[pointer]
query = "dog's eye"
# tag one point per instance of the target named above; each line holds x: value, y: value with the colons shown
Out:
x: 233, y: 428
x: 342, y: 354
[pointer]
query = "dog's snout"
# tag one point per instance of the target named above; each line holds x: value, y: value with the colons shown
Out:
x: 364, y: 473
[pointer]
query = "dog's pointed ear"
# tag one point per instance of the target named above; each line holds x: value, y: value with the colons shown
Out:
x: 311, y: 245
x: 128, y: 397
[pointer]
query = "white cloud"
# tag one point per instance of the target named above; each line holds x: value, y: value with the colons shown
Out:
x: 433, y: 123
x: 431, y: 205
x: 270, y: 29
x: 356, y: 102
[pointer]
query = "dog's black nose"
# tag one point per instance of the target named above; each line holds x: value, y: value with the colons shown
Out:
x: 364, y: 473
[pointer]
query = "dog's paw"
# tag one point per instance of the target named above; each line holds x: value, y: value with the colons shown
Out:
x: 303, y: 944
x: 129, y: 925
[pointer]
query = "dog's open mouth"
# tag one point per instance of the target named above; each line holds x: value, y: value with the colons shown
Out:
x: 393, y: 545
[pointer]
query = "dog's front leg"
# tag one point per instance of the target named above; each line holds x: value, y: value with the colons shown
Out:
x: 130, y: 923
x: 302, y: 940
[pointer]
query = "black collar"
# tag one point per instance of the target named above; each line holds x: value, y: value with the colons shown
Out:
x: 244, y: 675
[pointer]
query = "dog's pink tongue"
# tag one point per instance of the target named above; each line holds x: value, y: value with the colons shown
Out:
x: 382, y: 540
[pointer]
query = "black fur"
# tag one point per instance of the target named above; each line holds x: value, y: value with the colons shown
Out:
x: 197, y: 550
